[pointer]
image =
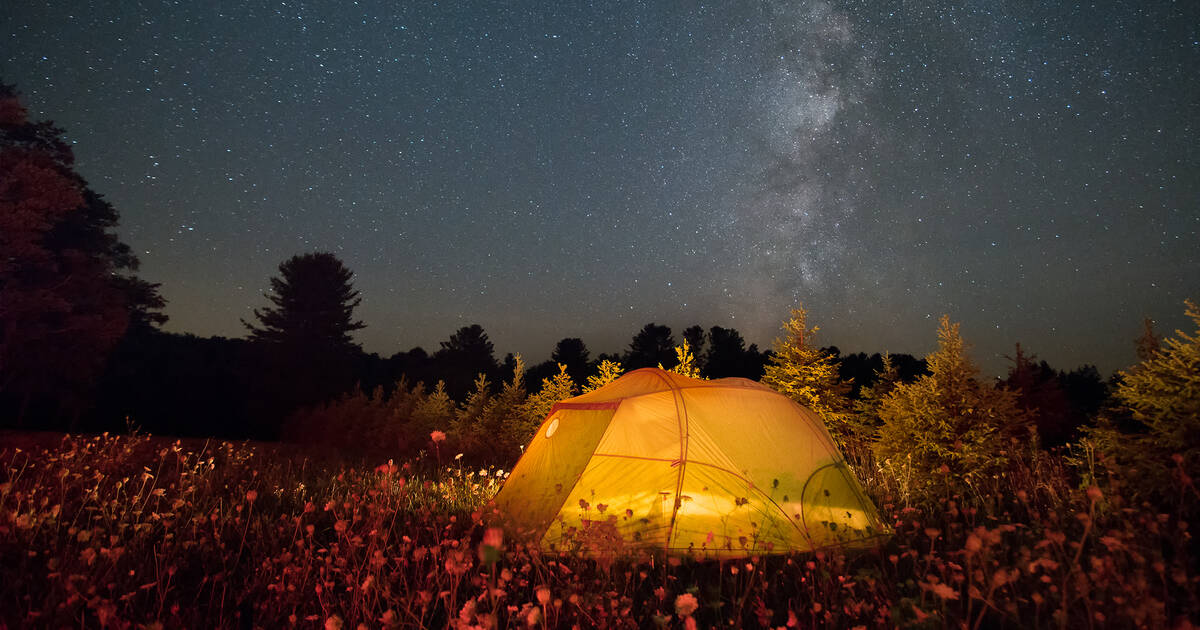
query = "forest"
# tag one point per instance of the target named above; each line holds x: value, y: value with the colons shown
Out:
x: 157, y: 479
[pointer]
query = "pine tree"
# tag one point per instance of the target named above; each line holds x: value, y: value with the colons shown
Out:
x: 556, y: 388
x: 865, y: 420
x: 573, y: 353
x: 607, y: 372
x: 503, y: 417
x: 537, y: 406
x: 467, y: 354
x: 685, y: 362
x: 1161, y: 395
x: 809, y: 375
x: 304, y: 337
x: 653, y: 345
x: 314, y: 304
x: 947, y: 429
x: 1147, y: 343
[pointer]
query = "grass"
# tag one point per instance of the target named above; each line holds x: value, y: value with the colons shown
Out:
x: 138, y: 532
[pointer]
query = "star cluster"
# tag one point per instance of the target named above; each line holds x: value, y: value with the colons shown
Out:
x: 580, y: 169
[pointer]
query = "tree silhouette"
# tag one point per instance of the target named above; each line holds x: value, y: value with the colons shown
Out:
x: 307, y: 355
x: 467, y: 354
x: 652, y: 346
x: 696, y: 339
x: 314, y: 305
x: 65, y: 296
x: 1039, y: 392
x: 573, y: 353
x: 727, y: 354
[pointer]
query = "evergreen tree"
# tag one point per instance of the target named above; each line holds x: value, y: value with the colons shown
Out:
x: 503, y: 417
x: 685, y: 362
x: 66, y: 296
x: 314, y: 304
x: 573, y: 353
x: 307, y: 355
x: 1147, y: 343
x: 947, y: 429
x: 537, y: 406
x: 606, y: 372
x: 1161, y: 395
x: 727, y: 355
x: 653, y: 345
x: 866, y: 421
x: 467, y: 354
x: 1039, y: 393
x: 696, y: 339
x: 807, y: 374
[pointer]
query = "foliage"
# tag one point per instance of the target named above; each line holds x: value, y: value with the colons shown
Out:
x: 538, y: 406
x: 314, y: 304
x: 1057, y: 403
x: 1161, y: 396
x: 728, y: 355
x: 495, y: 440
x: 66, y: 296
x: 685, y: 362
x: 139, y: 532
x: 808, y: 375
x: 573, y: 353
x: 696, y: 339
x: 652, y: 345
x: 465, y: 355
x: 865, y: 421
x: 947, y: 431
x: 606, y: 372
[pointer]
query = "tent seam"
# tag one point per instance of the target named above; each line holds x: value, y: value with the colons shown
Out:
x: 682, y: 421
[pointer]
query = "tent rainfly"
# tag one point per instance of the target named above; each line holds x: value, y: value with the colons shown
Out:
x: 659, y: 461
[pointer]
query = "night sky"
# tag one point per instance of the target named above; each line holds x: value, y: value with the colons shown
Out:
x: 581, y: 169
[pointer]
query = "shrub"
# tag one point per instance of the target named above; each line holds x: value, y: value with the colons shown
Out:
x: 809, y: 375
x: 947, y: 431
x: 1160, y: 397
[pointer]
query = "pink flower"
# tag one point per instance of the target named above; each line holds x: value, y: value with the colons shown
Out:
x: 437, y: 436
x: 685, y: 605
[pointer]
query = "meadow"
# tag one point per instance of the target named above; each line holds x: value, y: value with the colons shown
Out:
x: 141, y: 532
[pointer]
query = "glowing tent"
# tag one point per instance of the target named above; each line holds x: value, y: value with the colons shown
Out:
x: 721, y: 468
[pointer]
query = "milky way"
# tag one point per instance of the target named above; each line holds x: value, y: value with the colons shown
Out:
x: 552, y: 170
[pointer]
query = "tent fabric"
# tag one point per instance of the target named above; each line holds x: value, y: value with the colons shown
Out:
x: 655, y: 460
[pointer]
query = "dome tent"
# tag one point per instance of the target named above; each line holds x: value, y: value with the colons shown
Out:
x: 655, y: 460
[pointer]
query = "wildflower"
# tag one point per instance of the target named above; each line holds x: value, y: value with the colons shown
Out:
x: 251, y: 495
x: 457, y: 563
x: 334, y: 623
x: 942, y: 590
x: 685, y: 605
x: 489, y: 549
x: 1094, y: 493
x: 437, y: 436
x: 543, y: 595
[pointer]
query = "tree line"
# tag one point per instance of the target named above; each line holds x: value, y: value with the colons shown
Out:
x: 81, y: 348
